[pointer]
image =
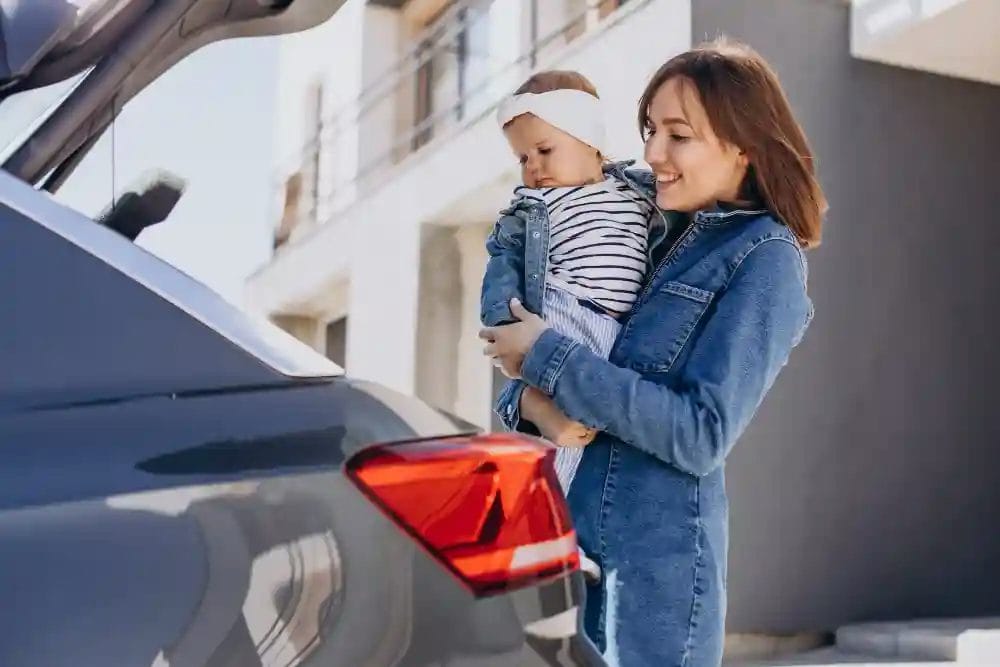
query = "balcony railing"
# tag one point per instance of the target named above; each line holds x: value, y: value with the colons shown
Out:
x: 449, y: 78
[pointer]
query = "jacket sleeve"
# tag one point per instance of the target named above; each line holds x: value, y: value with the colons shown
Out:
x: 508, y: 408
x: 504, y: 278
x: 690, y: 421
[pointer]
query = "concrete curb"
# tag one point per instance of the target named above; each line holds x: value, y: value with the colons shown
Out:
x: 968, y: 641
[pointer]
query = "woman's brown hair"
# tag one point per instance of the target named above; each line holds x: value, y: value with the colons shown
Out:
x: 747, y: 108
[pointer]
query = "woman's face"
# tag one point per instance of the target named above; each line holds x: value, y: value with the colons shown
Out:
x: 694, y: 168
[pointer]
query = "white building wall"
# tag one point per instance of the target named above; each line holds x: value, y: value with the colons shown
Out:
x: 505, y: 46
x: 329, y: 53
x: 382, y: 30
x: 474, y: 373
x: 438, y: 315
x: 950, y: 37
x: 384, y: 276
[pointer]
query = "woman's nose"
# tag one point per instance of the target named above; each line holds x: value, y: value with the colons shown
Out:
x: 654, y: 152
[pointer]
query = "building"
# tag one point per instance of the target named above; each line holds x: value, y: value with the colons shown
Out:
x: 421, y: 75
x: 864, y: 490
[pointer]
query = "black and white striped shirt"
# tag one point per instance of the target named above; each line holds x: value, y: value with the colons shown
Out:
x: 597, y: 241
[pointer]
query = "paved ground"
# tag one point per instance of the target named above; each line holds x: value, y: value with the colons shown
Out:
x: 832, y: 657
x: 956, y: 642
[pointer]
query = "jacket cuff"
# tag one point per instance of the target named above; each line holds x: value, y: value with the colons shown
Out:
x: 544, y: 362
x: 508, y: 408
x: 497, y: 315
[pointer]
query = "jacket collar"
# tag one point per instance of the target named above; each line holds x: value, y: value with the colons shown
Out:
x: 724, y: 213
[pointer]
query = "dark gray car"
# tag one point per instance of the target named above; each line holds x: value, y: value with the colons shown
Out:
x: 182, y: 485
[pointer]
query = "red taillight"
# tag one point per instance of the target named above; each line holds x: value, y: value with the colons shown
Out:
x: 488, y: 507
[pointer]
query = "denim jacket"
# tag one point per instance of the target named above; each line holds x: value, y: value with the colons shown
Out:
x: 721, y: 311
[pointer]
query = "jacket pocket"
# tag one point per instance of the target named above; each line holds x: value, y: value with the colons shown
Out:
x: 660, y: 327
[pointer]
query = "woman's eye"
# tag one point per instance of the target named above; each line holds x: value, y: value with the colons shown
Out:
x: 523, y: 160
x: 679, y: 137
x: 544, y: 151
x: 650, y: 131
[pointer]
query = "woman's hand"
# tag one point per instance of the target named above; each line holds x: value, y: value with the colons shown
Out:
x: 507, y: 345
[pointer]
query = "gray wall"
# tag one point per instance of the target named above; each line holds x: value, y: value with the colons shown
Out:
x: 867, y: 487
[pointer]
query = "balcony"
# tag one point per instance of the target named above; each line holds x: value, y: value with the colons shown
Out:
x: 454, y: 71
x: 950, y: 37
x: 424, y: 122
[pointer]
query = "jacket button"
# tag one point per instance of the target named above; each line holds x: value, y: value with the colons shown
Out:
x: 534, y: 276
x: 537, y: 234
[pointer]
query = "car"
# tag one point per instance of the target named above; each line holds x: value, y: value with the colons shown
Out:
x: 182, y: 484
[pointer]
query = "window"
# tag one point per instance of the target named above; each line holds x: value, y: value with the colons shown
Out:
x: 606, y: 7
x: 473, y: 54
x: 423, y: 103
x: 454, y: 65
x: 582, y: 15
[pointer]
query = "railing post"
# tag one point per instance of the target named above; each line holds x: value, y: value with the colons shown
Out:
x: 533, y: 35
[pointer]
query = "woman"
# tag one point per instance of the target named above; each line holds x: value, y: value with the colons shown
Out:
x: 722, y: 309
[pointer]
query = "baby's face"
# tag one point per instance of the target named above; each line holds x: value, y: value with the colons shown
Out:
x: 549, y: 157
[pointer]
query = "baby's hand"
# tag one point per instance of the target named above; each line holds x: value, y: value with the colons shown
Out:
x: 570, y: 434
x: 554, y: 426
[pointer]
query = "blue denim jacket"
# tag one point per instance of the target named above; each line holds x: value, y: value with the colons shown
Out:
x: 714, y: 325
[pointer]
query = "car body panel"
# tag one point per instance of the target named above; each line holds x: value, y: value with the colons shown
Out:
x: 219, y: 529
x: 78, y: 294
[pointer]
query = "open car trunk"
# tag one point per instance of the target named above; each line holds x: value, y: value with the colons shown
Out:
x: 126, y: 45
x: 78, y: 293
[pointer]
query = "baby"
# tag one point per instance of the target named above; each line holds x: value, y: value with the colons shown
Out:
x: 572, y: 247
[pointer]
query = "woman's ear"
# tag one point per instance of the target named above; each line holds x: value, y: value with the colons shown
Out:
x: 744, y: 158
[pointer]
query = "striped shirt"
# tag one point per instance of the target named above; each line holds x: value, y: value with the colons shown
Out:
x: 598, y: 237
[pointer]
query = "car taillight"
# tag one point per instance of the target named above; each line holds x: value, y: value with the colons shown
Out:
x: 488, y: 507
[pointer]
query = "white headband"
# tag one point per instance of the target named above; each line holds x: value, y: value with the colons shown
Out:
x: 575, y: 112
